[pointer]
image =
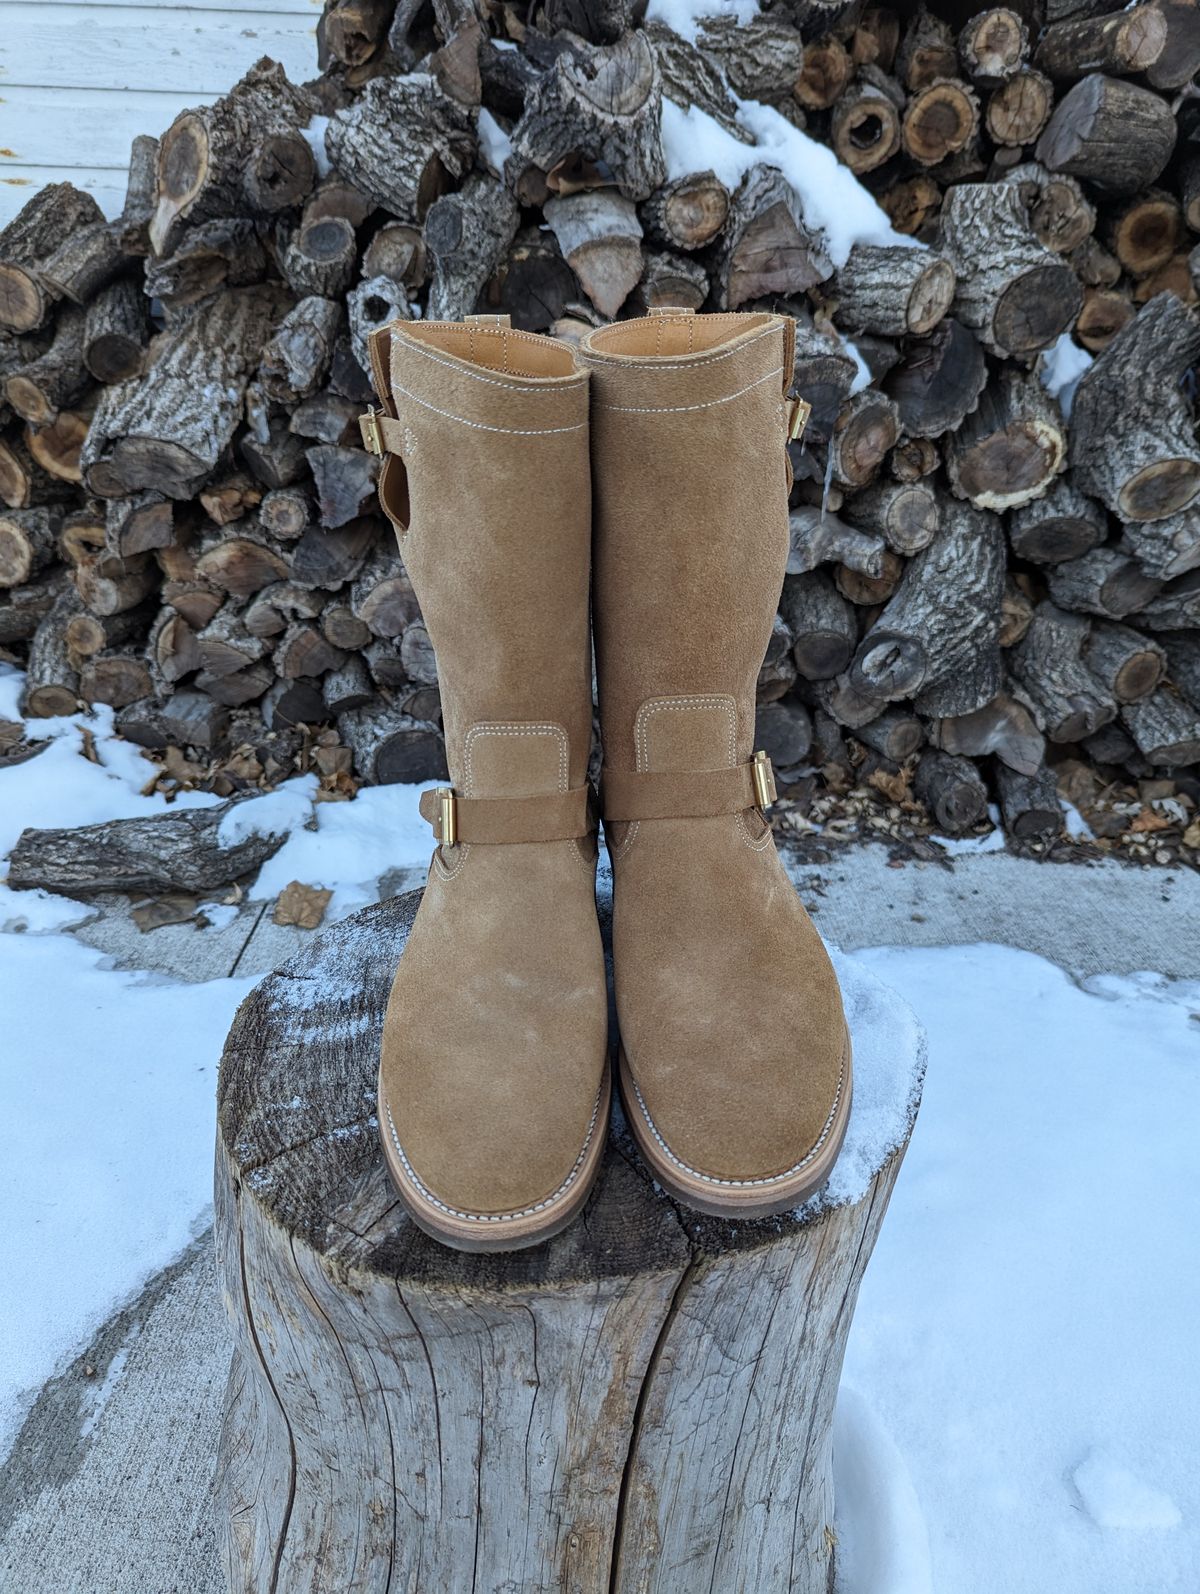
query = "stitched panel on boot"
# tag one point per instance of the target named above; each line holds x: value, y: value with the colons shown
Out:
x: 686, y: 732
x: 515, y: 760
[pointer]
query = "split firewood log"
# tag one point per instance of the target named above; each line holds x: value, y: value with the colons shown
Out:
x: 172, y: 650
x: 115, y: 678
x: 138, y: 524
x: 1016, y: 613
x: 1062, y: 524
x: 290, y: 705
x: 595, y: 108
x: 52, y: 381
x: 390, y: 747
x: 761, y: 57
x: 1165, y: 728
x: 321, y: 257
x: 371, y: 304
x: 297, y: 356
x: 56, y: 212
x: 865, y: 121
x: 893, y: 291
x: 347, y: 687
x: 28, y: 543
x: 244, y: 153
x: 601, y: 240
x: 382, y: 596
x: 1029, y: 803
x: 468, y: 234
x: 132, y: 227
x: 270, y: 611
x: 993, y: 44
x: 904, y: 515
x: 777, y: 674
x: 177, y: 851
x: 241, y: 565
x: 116, y: 331
x: 328, y: 416
x: 767, y: 247
x: 353, y: 31
x: 303, y: 651
x: 1165, y: 548
x: 783, y: 729
x: 107, y: 589
x: 938, y: 380
x: 846, y: 704
x: 1050, y: 676
x: 1124, y: 44
x: 329, y: 558
x: 823, y: 624
x: 1103, y: 582
x: 1013, y: 292
x: 51, y: 679
x: 537, y: 284
x: 1011, y: 447
x: 1018, y: 110
x: 1093, y: 264
x: 186, y: 719
x: 22, y: 609
x: 667, y: 281
x: 1176, y: 607
x: 1128, y: 663
x: 820, y: 537
x: 689, y: 78
x: 1132, y: 432
x: 1180, y: 58
x: 897, y: 734
x: 823, y: 74
x: 952, y: 790
x: 227, y: 645
x: 1115, y: 135
x: 927, y: 50
x: 238, y: 688
x: 686, y: 212
x: 940, y: 120
x: 866, y: 430
x: 1183, y: 656
x: 937, y: 640
x: 341, y: 626
x: 401, y: 142
x: 223, y: 253
x: 85, y: 261
x: 275, y: 455
x: 870, y: 592
x: 1060, y: 213
x: 197, y: 601
x: 1004, y: 727
x: 167, y: 432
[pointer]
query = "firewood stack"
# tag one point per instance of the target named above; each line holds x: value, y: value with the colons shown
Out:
x: 985, y: 585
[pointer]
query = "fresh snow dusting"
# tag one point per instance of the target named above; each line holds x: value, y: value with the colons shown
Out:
x: 1025, y: 1337
x: 831, y: 197
x: 1060, y: 369
x: 107, y: 1100
x: 494, y: 143
x: 685, y: 16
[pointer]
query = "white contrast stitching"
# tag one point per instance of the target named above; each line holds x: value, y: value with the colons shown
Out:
x: 761, y: 844
x: 664, y: 705
x: 662, y: 364
x: 516, y: 730
x: 561, y: 384
x: 627, y: 840
x: 496, y: 1217
x: 683, y: 409
x: 774, y: 1178
x: 479, y: 426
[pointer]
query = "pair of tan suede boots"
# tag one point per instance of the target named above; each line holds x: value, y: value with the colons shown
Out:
x: 631, y: 491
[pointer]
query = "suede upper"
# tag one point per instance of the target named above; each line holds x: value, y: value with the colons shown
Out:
x: 729, y: 1010
x: 495, y: 1038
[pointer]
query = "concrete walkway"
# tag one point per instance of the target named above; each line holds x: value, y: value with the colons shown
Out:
x: 107, y: 1490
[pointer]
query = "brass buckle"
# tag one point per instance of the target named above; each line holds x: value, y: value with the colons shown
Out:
x: 763, y: 775
x: 798, y: 412
x: 372, y: 432
x: 447, y: 816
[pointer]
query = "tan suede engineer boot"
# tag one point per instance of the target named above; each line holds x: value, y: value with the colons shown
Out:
x: 493, y: 1082
x: 735, y: 1057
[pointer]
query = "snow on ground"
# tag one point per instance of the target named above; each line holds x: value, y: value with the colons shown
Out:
x: 1022, y: 1363
x: 1019, y: 1406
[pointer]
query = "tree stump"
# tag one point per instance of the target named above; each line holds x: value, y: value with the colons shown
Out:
x: 642, y: 1404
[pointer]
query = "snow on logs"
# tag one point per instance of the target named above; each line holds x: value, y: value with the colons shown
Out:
x: 976, y: 571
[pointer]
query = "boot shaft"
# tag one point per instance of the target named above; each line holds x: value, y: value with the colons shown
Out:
x: 690, y: 488
x: 491, y: 502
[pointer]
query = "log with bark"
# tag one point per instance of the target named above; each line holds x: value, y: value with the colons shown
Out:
x: 1051, y: 676
x: 692, y: 1327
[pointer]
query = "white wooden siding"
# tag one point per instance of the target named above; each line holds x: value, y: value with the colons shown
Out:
x: 78, y: 81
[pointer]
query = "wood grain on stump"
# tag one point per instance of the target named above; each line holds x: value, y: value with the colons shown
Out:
x: 643, y: 1403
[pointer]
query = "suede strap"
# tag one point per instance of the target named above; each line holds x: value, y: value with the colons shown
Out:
x: 677, y: 794
x: 554, y: 816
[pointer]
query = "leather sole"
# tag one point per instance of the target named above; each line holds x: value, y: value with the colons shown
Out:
x: 498, y: 1231
x: 733, y: 1198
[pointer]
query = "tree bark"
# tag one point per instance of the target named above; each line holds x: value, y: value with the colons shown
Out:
x: 1165, y: 728
x: 1113, y: 134
x: 402, y: 142
x: 1062, y: 524
x: 1103, y: 582
x: 893, y: 291
x: 952, y: 790
x: 1066, y: 699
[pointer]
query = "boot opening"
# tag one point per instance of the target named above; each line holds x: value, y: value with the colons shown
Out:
x: 668, y: 334
x: 496, y: 348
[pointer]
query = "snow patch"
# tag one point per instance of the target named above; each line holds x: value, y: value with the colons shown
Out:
x: 685, y: 16
x: 314, y: 137
x: 1114, y: 1497
x: 275, y: 813
x: 883, y: 1542
x: 494, y: 143
x: 1060, y: 369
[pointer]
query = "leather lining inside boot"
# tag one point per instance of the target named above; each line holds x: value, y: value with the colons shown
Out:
x: 667, y: 334
x: 496, y: 348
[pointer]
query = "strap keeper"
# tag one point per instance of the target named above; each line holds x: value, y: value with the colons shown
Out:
x: 762, y: 772
x: 447, y: 820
